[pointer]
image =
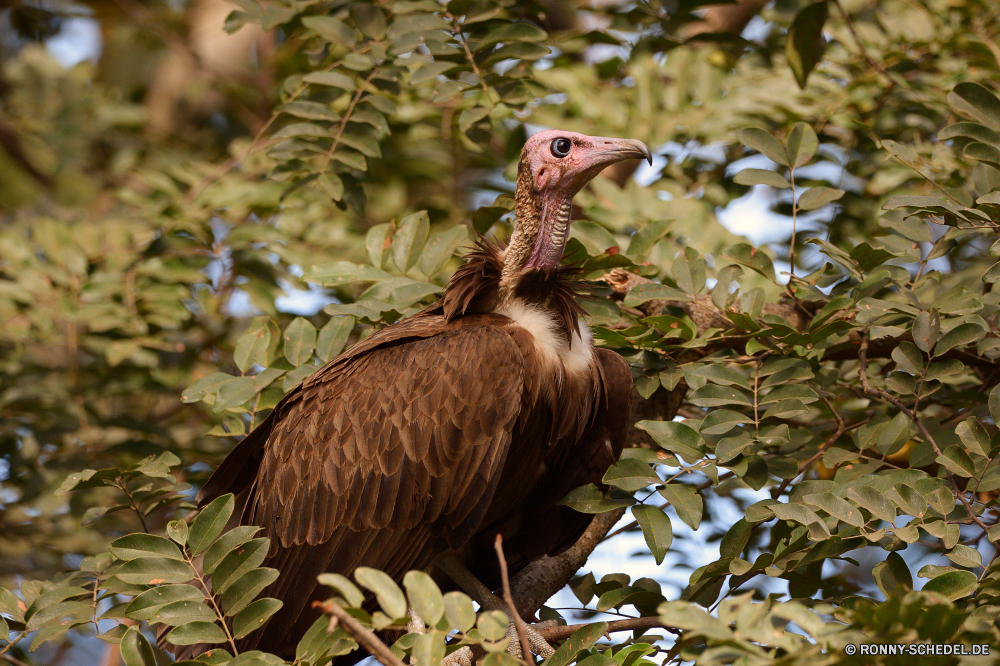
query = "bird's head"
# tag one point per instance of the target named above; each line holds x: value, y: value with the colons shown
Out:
x: 554, y: 166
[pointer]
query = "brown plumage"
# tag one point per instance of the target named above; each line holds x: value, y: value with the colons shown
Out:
x: 470, y: 418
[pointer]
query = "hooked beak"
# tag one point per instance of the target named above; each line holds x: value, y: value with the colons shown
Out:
x: 607, y: 151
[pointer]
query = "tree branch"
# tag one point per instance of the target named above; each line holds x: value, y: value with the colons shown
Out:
x: 364, y: 636
x: 538, y: 581
x: 515, y: 617
x: 563, y: 632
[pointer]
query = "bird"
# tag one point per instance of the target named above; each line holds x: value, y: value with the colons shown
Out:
x: 471, y: 418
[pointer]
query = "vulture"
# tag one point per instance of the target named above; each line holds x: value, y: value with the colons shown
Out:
x: 471, y: 418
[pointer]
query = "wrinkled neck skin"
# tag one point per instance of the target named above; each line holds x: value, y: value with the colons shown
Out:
x: 541, y: 229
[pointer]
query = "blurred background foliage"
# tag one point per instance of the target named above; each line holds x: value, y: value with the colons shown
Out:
x: 190, y: 189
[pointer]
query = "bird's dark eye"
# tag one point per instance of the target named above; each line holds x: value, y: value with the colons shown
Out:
x: 561, y: 146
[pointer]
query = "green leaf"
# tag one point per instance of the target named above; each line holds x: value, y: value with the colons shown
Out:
x: 252, y: 347
x: 736, y: 538
x: 300, y: 341
x: 817, y: 197
x: 136, y: 650
x: 148, y: 603
x: 676, y: 437
x: 331, y: 29
x: 963, y: 334
x: 656, y: 529
x: 751, y: 257
x: 153, y: 571
x: 953, y: 584
x: 515, y: 31
x: 874, y: 501
x: 333, y: 337
x: 440, y: 247
x: 352, y: 595
x: 805, y: 43
x: 802, y: 144
x: 974, y: 436
x: 245, y: 589
x: 471, y: 116
x: 408, y: 241
x: 835, y: 506
x: 492, y: 625
x: 387, y: 593
x: 207, y: 527
x: 208, y: 385
x: 181, y: 612
x: 687, y: 502
x: 977, y: 102
x: 958, y: 461
x: 761, y: 141
x: 135, y: 546
x: 11, y: 604
x: 238, y: 563
x: 926, y: 330
x: 994, y: 403
x: 800, y: 514
x: 644, y: 239
x: 430, y: 71
x: 651, y: 291
x: 235, y: 393
x: 254, y: 615
x: 459, y: 611
x: 588, y: 499
x: 193, y: 633
x: 713, y: 395
x: 224, y: 544
x: 965, y: 556
x: 907, y: 499
x: 721, y: 421
x: 762, y: 177
x: 425, y: 597
x: 329, y: 79
x: 630, y: 475
x: 177, y: 530
x: 583, y: 638
x: 429, y: 648
x: 893, y: 576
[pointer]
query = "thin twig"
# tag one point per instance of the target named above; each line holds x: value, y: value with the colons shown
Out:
x: 347, y: 117
x: 515, y: 617
x: 364, y: 636
x: 563, y: 632
x: 12, y: 660
x: 468, y: 53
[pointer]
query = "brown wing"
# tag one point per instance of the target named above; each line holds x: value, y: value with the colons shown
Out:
x: 540, y: 527
x: 377, y: 457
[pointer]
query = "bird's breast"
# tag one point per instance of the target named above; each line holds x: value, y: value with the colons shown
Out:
x: 570, y: 362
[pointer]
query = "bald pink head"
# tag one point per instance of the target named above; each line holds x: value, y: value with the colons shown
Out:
x: 563, y: 162
x: 554, y: 166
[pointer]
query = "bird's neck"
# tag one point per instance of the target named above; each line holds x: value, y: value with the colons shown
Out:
x: 541, y: 229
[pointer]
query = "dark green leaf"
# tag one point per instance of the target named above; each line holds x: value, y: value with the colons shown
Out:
x: 253, y: 616
x: 196, y: 632
x: 816, y: 197
x: 144, y: 545
x: 207, y: 527
x: 763, y: 142
x: 893, y: 576
x: 687, y: 502
x: 238, y: 562
x: 245, y: 589
x: 977, y: 102
x: 805, y: 43
x: 762, y: 177
x: 136, y: 650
